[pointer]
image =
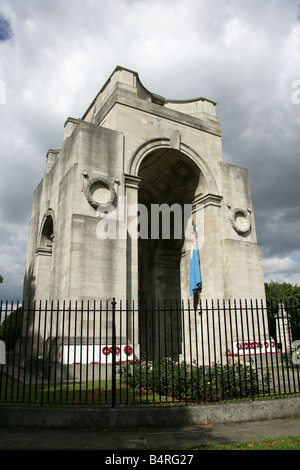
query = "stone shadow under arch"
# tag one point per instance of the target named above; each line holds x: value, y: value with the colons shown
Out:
x: 164, y: 144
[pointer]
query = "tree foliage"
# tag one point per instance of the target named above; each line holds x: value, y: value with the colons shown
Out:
x: 10, y: 328
x: 289, y: 295
x: 285, y: 292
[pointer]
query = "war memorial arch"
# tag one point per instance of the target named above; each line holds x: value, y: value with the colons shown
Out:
x: 133, y: 158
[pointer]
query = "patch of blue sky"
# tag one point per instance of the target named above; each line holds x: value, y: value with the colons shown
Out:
x: 5, y: 29
x: 296, y: 257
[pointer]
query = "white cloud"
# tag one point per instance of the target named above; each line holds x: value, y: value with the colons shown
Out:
x: 281, y: 265
x: 235, y: 31
x: 290, y: 278
x: 282, y: 269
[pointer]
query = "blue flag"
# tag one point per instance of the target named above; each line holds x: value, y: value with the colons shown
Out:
x: 195, y: 274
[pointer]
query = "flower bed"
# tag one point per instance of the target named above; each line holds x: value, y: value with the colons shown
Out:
x: 191, y: 382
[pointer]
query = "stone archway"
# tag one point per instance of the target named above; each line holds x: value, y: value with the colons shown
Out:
x: 44, y: 257
x: 170, y: 183
x: 47, y: 233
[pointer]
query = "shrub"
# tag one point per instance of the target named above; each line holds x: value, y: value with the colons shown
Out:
x: 191, y: 382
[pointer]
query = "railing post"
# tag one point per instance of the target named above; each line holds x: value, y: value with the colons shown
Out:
x: 113, y: 381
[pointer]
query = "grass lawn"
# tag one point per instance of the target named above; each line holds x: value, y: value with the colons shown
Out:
x: 93, y: 392
x: 12, y: 391
x: 282, y: 443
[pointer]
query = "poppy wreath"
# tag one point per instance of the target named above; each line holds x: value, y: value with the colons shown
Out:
x: 107, y: 351
x: 128, y: 350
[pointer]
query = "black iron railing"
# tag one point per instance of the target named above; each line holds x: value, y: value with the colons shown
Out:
x: 117, y: 352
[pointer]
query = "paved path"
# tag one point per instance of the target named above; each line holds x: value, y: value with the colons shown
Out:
x: 144, y: 439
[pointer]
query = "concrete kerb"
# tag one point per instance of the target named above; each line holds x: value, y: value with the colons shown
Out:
x: 137, y: 417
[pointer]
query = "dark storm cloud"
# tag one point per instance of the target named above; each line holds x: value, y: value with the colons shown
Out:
x: 5, y: 29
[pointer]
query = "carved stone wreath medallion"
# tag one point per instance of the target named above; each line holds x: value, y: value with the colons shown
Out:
x: 100, y: 193
x: 240, y: 220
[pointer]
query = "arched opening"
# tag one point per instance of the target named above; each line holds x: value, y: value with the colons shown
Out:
x: 44, y: 256
x: 170, y: 182
x: 47, y: 235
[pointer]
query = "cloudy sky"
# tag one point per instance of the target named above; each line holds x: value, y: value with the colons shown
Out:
x: 245, y: 54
